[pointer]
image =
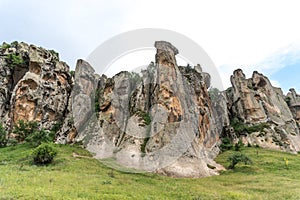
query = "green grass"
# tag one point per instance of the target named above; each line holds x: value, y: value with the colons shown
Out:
x: 86, y: 178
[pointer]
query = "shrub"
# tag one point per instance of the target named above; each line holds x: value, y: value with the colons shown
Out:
x: 145, y: 116
x: 12, y: 142
x: 3, y: 137
x: 5, y: 46
x: 14, y: 60
x: 240, y: 127
x: 15, y: 43
x: 288, y: 101
x: 72, y: 72
x: 24, y: 129
x: 54, y: 53
x: 238, y: 146
x: 44, y: 154
x: 226, y: 144
x: 56, y: 127
x: 39, y: 136
x: 238, y: 158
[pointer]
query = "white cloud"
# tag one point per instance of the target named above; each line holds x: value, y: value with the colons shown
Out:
x: 234, y: 33
x: 287, y: 55
x: 73, y: 28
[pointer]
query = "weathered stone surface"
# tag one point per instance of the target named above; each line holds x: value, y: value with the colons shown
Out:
x: 166, y: 119
x: 36, y: 89
x: 161, y: 121
x: 293, y: 101
x: 254, y: 101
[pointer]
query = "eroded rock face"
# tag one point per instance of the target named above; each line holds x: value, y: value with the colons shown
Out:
x: 254, y: 101
x: 163, y: 120
x: 35, y: 89
x: 293, y: 101
x: 160, y: 121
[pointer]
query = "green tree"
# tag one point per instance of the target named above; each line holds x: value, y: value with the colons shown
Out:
x: 23, y: 129
x: 40, y: 136
x: 44, y: 154
x: 238, y: 158
x: 3, y: 136
x: 226, y: 144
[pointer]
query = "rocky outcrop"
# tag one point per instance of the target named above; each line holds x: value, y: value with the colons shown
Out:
x: 165, y: 119
x: 161, y: 120
x: 35, y: 85
x: 293, y: 101
x: 255, y: 101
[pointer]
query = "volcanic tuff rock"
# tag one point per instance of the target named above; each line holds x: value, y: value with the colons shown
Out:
x: 254, y: 101
x: 163, y: 120
x: 35, y: 85
x: 293, y: 101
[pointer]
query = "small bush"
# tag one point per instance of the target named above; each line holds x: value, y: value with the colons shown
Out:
x: 288, y: 101
x: 226, y: 144
x: 72, y: 72
x: 12, y: 142
x: 14, y: 43
x: 145, y: 116
x: 44, y: 154
x: 24, y: 129
x: 38, y: 137
x: 238, y: 146
x: 3, y: 137
x: 238, y: 158
x: 5, y: 46
x: 240, y: 127
x: 56, y: 127
x: 14, y: 60
x: 54, y: 53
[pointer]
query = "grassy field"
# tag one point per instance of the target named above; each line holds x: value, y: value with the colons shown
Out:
x: 86, y: 178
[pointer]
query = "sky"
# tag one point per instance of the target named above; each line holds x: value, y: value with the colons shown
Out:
x: 251, y: 35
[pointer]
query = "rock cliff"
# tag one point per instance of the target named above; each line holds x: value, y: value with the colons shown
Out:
x: 165, y: 119
x: 161, y: 120
x: 35, y: 85
x: 256, y: 103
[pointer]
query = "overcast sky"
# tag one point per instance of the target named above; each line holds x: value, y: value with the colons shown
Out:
x: 252, y: 35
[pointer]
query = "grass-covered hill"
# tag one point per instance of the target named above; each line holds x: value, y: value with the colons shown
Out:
x: 74, y: 174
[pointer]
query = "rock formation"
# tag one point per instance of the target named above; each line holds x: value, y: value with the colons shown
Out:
x: 293, y: 101
x: 35, y: 85
x: 164, y: 120
x: 255, y: 101
x: 160, y: 121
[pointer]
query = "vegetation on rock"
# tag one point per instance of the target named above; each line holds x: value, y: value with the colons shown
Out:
x: 240, y: 127
x: 39, y: 136
x: 14, y: 60
x: 5, y: 46
x: 54, y: 53
x: 23, y: 129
